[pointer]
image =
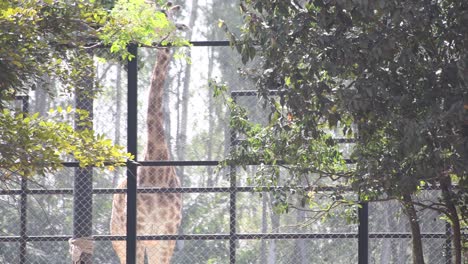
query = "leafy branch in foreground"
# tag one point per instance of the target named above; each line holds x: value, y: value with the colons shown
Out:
x: 286, y: 156
x: 42, y: 39
x: 138, y: 22
x: 31, y: 144
x: 49, y: 40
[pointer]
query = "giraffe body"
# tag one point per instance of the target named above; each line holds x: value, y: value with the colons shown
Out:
x: 157, y: 213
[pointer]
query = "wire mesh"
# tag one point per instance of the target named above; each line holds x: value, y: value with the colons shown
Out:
x: 298, y: 251
x: 222, y: 220
x: 50, y: 216
x: 388, y: 219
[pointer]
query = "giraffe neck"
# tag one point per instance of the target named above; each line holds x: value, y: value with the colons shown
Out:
x: 156, y: 148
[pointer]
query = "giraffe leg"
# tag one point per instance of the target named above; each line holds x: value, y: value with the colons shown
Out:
x: 140, y: 254
x: 159, y: 252
x: 120, y: 248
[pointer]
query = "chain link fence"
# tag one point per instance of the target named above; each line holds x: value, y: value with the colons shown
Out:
x: 390, y: 234
x: 223, y: 219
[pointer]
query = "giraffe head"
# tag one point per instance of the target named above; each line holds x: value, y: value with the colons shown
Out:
x: 170, y: 10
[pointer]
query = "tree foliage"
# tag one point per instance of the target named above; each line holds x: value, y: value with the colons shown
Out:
x: 137, y: 21
x: 34, y: 144
x: 42, y: 38
x: 55, y: 38
x: 52, y: 39
x: 390, y: 74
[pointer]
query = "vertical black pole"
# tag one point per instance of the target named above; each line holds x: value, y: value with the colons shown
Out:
x: 83, y: 183
x: 23, y: 219
x: 363, y: 236
x: 132, y: 148
x: 233, y: 218
x: 448, y: 243
x: 23, y: 201
x: 232, y: 205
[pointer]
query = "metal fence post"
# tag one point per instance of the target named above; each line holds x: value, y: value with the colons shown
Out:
x: 83, y: 189
x: 363, y: 233
x: 132, y: 122
x: 232, y: 204
x: 232, y: 216
x: 23, y: 200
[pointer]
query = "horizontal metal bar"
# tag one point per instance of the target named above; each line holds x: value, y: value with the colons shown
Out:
x: 226, y: 189
x: 34, y: 238
x: 242, y: 236
x: 248, y: 236
x: 69, y: 191
x: 71, y: 164
x: 183, y: 237
x: 36, y: 191
x: 156, y: 45
x: 215, y: 43
x: 194, y: 43
x: 344, y: 140
x: 179, y: 163
x: 251, y: 92
x: 406, y: 235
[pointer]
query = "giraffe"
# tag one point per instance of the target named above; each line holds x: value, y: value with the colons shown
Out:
x: 157, y: 213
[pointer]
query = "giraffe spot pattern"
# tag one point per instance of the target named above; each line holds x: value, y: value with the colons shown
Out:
x: 170, y: 228
x: 154, y: 210
x: 162, y: 201
x: 163, y: 212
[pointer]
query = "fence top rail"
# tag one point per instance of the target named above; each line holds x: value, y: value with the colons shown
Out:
x: 187, y: 163
x: 69, y: 191
x: 238, y: 236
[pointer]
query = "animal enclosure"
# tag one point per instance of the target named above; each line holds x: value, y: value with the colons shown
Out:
x: 224, y: 219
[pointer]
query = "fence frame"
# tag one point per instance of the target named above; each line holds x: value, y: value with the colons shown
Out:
x: 233, y: 236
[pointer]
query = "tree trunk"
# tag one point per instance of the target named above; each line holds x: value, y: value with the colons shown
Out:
x: 182, y: 133
x: 178, y: 140
x: 182, y: 105
x: 211, y: 122
x: 83, y: 200
x: 41, y: 102
x: 452, y: 214
x: 82, y: 243
x: 263, y: 255
x: 410, y: 211
x: 275, y: 223
x: 118, y: 110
